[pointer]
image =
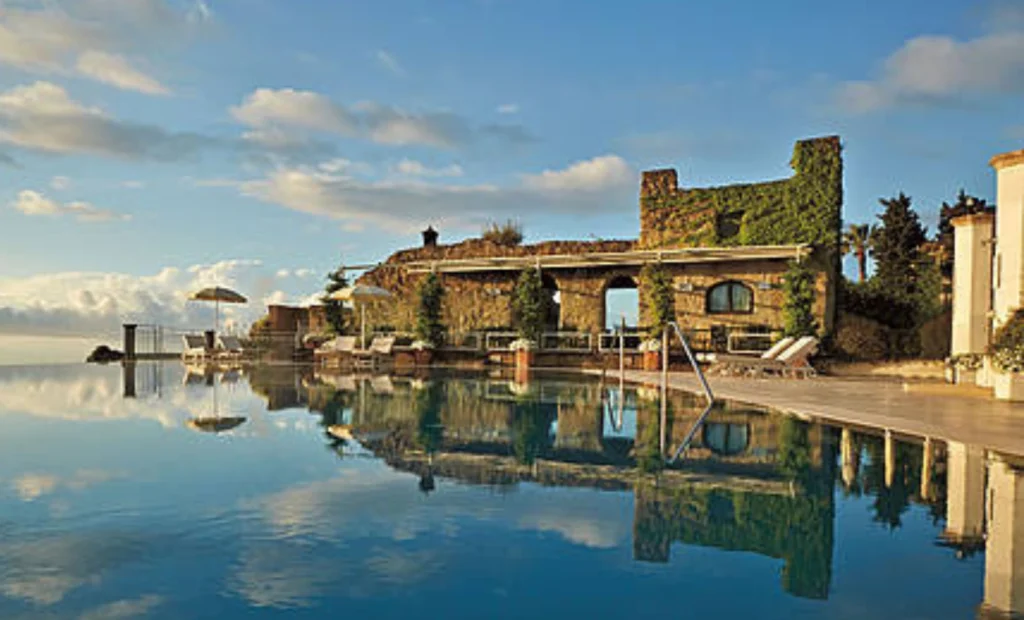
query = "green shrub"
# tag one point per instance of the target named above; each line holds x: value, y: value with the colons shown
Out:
x: 1007, y: 348
x: 508, y: 234
x: 860, y: 338
x: 798, y: 309
x: 529, y: 305
x: 661, y: 298
x: 429, y: 327
x: 937, y: 336
x: 868, y: 300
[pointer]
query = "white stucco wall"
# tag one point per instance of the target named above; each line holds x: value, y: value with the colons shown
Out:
x: 1009, y: 263
x: 972, y: 281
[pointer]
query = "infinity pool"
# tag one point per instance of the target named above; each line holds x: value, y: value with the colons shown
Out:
x: 167, y: 492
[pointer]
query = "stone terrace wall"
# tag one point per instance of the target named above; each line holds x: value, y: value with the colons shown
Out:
x: 475, y: 301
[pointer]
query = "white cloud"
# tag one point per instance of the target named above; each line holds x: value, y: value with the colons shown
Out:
x: 124, y: 609
x: 60, y: 183
x: 43, y: 117
x: 273, y: 116
x: 389, y: 62
x: 32, y: 486
x: 414, y: 168
x: 117, y: 71
x: 931, y: 69
x: 588, y: 187
x: 597, y: 174
x: 89, y: 38
x: 91, y: 303
x: 266, y: 108
x: 508, y: 108
x: 33, y: 203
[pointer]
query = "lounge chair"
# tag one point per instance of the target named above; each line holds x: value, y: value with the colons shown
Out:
x: 795, y: 360
x: 195, y: 347
x: 379, y: 351
x: 339, y: 348
x: 773, y: 352
x: 229, y: 347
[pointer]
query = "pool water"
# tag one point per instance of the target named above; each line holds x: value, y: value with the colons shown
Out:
x: 171, y: 492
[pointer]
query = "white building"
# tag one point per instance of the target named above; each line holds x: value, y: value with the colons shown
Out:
x: 988, y: 273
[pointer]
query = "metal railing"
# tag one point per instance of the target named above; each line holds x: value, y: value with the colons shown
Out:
x: 708, y: 394
x: 566, y: 341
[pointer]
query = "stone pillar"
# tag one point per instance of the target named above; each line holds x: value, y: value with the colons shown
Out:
x: 129, y: 340
x: 1004, y: 548
x: 1009, y: 263
x: 972, y: 281
x: 965, y: 493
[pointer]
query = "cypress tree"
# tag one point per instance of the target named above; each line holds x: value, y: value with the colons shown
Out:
x: 897, y: 248
x: 333, y: 308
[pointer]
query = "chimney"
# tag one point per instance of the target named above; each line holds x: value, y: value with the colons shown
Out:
x: 430, y: 237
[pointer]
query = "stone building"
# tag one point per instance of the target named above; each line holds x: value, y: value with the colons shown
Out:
x: 726, y: 249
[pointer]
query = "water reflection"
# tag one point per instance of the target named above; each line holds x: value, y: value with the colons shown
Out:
x: 754, y: 482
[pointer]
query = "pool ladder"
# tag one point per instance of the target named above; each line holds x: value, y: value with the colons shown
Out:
x: 708, y: 394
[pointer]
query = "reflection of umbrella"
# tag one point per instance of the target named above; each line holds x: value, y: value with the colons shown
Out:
x: 214, y: 425
x: 218, y: 295
x: 363, y: 294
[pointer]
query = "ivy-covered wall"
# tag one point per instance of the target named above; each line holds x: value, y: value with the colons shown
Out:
x: 805, y: 208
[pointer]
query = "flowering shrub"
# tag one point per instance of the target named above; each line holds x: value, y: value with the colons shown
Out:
x: 522, y: 344
x: 966, y: 361
x: 421, y: 345
x: 1007, y: 348
x: 652, y: 345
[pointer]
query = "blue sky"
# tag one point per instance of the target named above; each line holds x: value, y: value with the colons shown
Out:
x: 151, y: 145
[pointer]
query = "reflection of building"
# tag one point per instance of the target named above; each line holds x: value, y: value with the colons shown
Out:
x: 795, y: 528
x: 1004, y: 549
x: 965, y: 499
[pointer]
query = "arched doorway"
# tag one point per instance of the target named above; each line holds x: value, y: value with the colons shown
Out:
x: 621, y: 299
x: 554, y: 302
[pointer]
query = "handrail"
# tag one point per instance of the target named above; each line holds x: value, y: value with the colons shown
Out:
x: 704, y: 384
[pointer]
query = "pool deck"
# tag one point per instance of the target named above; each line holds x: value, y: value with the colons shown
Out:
x: 921, y: 409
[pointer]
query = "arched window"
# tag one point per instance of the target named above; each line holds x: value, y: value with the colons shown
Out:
x: 726, y: 439
x: 730, y: 298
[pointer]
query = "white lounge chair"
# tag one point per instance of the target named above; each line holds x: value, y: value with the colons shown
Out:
x: 339, y: 348
x: 379, y: 351
x: 195, y: 347
x: 795, y: 360
x: 773, y: 352
x: 229, y: 347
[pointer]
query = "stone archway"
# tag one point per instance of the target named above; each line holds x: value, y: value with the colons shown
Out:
x: 621, y: 297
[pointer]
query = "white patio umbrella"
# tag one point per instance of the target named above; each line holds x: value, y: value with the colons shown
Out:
x: 361, y: 294
x: 218, y: 295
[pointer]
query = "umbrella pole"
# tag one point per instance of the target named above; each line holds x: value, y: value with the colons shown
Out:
x: 362, y: 328
x: 216, y: 316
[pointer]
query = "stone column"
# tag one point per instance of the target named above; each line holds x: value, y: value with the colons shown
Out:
x: 1009, y: 263
x: 972, y: 282
x: 965, y: 494
x: 1004, y: 548
x: 927, y: 462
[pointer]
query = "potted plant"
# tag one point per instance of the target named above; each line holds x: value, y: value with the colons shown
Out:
x: 963, y: 368
x: 1007, y: 351
x: 423, y: 351
x: 651, y: 350
x: 429, y: 328
x: 662, y: 304
x: 529, y: 310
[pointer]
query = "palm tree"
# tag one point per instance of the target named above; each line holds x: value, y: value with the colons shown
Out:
x: 857, y: 240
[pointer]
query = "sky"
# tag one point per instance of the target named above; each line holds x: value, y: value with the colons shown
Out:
x: 149, y: 147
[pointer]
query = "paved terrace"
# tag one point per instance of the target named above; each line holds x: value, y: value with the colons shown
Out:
x: 951, y: 413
